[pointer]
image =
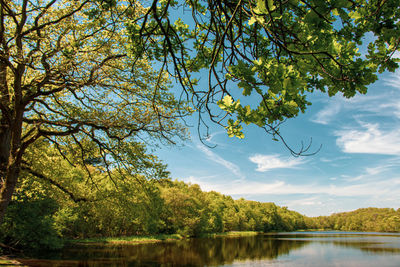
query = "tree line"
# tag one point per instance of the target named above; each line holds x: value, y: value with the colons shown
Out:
x: 42, y: 214
x: 85, y: 92
x: 83, y: 202
x: 83, y: 71
x: 363, y: 220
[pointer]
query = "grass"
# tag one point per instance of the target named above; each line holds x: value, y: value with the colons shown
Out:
x: 5, y: 261
x: 232, y: 234
x: 153, y: 238
x: 128, y: 239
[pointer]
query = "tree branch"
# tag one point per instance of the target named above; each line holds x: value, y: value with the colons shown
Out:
x: 54, y: 183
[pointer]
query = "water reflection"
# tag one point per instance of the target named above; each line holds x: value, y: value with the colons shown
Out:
x: 379, y: 243
x: 286, y: 248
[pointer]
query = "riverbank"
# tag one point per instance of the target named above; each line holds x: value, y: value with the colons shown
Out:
x: 127, y: 239
x: 233, y: 234
x: 153, y: 238
x: 5, y: 261
x: 383, y: 250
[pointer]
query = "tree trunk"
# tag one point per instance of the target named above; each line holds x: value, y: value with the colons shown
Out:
x: 10, y: 160
x: 8, y: 186
x: 12, y: 111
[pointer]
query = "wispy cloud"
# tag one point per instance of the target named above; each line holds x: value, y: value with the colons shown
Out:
x: 373, y: 103
x: 309, y: 201
x: 269, y: 162
x: 327, y: 114
x: 369, y: 139
x: 374, y: 173
x: 393, y: 80
x: 221, y: 161
x: 333, y: 159
x: 211, y: 136
x: 387, y: 188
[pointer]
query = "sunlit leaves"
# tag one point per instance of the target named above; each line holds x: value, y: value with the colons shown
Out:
x: 281, y: 51
x: 73, y: 73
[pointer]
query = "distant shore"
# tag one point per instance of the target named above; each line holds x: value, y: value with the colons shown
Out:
x: 154, y: 238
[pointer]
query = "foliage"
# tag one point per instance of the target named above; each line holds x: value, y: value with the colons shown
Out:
x: 42, y: 211
x: 29, y: 223
x: 67, y: 76
x: 80, y: 102
x: 274, y: 52
x: 94, y: 202
x: 194, y: 212
x: 130, y: 239
x: 365, y: 220
x: 131, y: 205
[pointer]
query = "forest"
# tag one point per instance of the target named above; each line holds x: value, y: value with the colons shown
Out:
x: 42, y: 214
x: 362, y: 220
x: 89, y: 89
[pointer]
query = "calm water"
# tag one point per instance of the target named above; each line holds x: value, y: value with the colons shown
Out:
x: 280, y: 249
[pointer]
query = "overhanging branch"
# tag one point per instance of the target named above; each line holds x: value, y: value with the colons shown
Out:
x: 54, y: 183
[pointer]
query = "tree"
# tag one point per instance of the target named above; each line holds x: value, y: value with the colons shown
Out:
x: 77, y: 71
x: 67, y: 76
x: 276, y: 51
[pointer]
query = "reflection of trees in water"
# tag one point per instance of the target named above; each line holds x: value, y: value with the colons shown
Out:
x: 370, y: 247
x: 370, y: 243
x: 193, y: 252
x: 373, y: 244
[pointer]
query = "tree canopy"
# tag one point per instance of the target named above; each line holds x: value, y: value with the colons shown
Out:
x: 67, y: 76
x: 91, y: 77
x: 275, y: 51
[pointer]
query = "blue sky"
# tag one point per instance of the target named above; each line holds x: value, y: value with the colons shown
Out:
x: 358, y: 165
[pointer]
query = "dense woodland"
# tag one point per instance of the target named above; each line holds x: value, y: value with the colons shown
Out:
x: 364, y: 220
x: 81, y: 107
x: 44, y: 213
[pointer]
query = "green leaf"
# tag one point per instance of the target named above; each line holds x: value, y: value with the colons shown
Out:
x: 271, y: 5
x: 227, y: 100
x: 355, y: 15
x: 252, y: 20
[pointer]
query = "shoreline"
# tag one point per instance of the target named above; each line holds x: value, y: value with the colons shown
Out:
x: 7, y: 261
x: 153, y: 238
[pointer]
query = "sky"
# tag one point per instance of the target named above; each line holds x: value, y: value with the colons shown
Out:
x: 358, y: 165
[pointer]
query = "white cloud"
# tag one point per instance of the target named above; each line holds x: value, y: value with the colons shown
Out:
x: 370, y: 139
x: 334, y: 159
x: 211, y: 136
x: 310, y: 201
x: 268, y: 162
x: 221, y: 161
x: 387, y: 188
x: 381, y: 102
x: 372, y: 173
x: 327, y: 114
x: 393, y: 80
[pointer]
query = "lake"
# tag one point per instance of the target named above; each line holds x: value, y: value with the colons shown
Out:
x: 278, y: 249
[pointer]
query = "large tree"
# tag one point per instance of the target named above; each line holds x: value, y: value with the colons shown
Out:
x: 67, y: 77
x: 77, y: 70
x: 276, y: 52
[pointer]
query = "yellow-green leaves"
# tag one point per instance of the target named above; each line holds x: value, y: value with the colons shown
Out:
x: 264, y: 6
x: 228, y: 104
x: 234, y: 129
x: 276, y: 52
x: 227, y: 101
x: 355, y: 15
x: 252, y: 20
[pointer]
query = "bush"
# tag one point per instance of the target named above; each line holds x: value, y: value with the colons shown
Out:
x: 28, y: 224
